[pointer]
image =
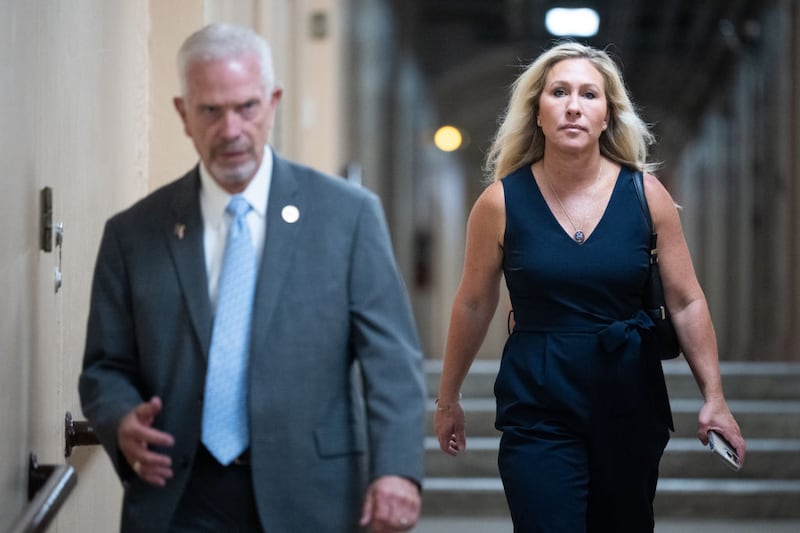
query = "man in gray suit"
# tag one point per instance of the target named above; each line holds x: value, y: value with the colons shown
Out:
x: 332, y: 389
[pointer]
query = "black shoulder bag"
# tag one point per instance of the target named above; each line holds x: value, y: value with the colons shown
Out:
x: 662, y: 340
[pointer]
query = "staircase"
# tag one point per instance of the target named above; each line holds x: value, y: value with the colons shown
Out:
x: 764, y: 397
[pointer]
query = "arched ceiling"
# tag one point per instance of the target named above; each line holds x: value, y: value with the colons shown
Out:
x: 676, y: 56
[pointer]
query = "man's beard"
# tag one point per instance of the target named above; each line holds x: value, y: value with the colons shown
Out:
x: 234, y: 175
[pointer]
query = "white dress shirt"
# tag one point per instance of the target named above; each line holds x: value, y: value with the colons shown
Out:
x: 213, y: 201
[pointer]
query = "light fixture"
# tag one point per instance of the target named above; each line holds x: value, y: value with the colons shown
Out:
x: 573, y: 22
x: 447, y: 138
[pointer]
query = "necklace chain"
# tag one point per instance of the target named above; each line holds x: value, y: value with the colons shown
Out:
x: 579, y: 236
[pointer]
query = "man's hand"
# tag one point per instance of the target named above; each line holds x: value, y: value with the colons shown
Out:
x: 135, y: 435
x: 392, y: 504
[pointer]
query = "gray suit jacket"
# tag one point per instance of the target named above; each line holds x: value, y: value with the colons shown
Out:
x: 336, y: 396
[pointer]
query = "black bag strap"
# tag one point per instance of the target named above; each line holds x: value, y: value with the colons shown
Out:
x: 638, y: 183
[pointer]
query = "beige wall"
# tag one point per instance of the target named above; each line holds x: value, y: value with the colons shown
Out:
x: 171, y: 152
x: 74, y: 87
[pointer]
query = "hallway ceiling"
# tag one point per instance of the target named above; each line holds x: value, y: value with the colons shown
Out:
x: 675, y: 56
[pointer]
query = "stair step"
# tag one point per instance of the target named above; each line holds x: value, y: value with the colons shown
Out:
x: 741, y: 380
x: 766, y: 459
x: 676, y: 497
x: 757, y: 418
x: 764, y: 397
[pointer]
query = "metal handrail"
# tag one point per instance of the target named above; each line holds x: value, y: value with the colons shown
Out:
x: 47, y: 501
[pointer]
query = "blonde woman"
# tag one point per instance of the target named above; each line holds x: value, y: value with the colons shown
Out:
x: 583, y: 410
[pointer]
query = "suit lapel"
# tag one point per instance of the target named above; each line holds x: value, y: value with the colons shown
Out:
x: 184, y: 233
x: 283, y: 230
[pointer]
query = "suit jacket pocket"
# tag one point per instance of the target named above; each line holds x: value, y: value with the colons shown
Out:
x: 335, y: 442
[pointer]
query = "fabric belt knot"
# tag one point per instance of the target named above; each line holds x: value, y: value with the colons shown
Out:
x: 621, y: 339
x: 618, y: 333
x: 225, y: 429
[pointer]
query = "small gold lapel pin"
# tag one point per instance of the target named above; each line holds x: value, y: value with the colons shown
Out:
x: 179, y: 230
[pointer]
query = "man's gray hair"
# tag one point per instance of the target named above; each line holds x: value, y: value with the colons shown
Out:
x: 223, y: 41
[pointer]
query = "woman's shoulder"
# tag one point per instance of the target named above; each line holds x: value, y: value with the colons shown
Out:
x: 493, y: 195
x: 662, y: 205
x: 491, y: 203
x: 655, y: 190
x: 488, y: 215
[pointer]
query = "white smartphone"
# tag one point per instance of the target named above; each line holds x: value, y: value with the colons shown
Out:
x: 724, y: 450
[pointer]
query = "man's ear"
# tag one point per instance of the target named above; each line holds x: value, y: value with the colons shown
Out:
x: 275, y: 97
x: 180, y: 107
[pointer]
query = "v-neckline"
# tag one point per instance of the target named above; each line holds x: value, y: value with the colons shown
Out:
x: 564, y: 230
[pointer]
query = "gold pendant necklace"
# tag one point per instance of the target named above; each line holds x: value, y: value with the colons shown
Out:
x: 579, y: 236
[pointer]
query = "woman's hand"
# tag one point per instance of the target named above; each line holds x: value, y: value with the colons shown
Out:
x: 448, y: 422
x: 716, y: 416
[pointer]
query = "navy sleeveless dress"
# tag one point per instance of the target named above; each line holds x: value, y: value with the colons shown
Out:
x: 585, y: 416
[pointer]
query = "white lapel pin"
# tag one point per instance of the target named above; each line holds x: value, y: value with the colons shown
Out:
x: 290, y: 214
x: 179, y: 230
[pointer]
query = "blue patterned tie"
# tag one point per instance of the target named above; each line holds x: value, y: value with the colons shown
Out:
x: 225, y: 424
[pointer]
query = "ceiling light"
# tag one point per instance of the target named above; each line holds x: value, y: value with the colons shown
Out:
x: 574, y: 22
x: 447, y: 138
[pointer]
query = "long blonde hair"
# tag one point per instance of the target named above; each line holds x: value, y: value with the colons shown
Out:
x: 520, y: 141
